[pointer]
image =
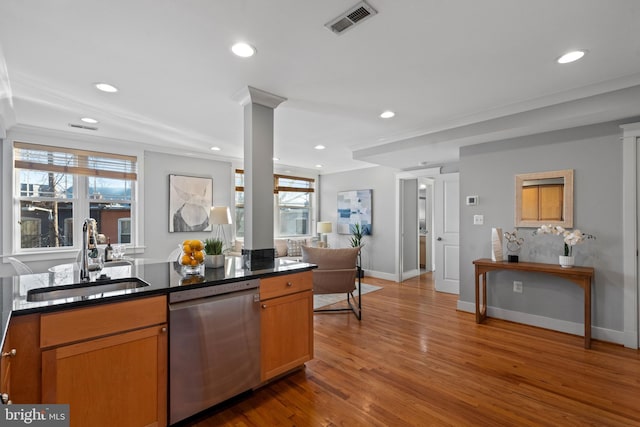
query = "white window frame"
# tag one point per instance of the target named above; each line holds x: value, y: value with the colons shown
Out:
x: 11, y: 213
x: 276, y: 208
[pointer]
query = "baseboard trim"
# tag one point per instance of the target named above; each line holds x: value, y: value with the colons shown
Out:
x: 410, y: 274
x: 602, y: 334
x: 379, y: 275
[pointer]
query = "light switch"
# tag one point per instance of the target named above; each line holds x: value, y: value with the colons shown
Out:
x: 478, y: 219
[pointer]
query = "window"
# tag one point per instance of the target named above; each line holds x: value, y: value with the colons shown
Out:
x: 292, y: 204
x: 124, y: 230
x: 56, y: 188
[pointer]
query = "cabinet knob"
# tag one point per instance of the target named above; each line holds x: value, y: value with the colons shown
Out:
x: 163, y: 329
x: 264, y: 305
x: 289, y: 284
x: 11, y: 353
x: 5, y: 399
x: 439, y: 239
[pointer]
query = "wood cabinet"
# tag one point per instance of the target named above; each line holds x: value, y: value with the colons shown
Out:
x: 286, y: 323
x: 21, y: 373
x: 5, y: 369
x: 108, y: 362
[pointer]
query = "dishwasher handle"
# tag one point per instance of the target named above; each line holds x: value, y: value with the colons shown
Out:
x: 181, y: 295
x: 192, y: 302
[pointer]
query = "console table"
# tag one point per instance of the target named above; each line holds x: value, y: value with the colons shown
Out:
x: 581, y: 276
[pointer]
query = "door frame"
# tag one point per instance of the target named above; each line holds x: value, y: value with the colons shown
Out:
x: 630, y: 188
x: 400, y: 176
x: 429, y: 249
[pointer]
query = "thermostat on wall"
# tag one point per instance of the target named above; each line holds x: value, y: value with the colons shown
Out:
x: 472, y: 200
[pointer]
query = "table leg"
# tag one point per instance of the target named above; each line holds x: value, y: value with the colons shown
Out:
x: 477, y: 296
x: 587, y: 313
x: 483, y: 310
x: 481, y: 296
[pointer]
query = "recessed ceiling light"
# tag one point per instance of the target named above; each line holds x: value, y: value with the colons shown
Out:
x: 89, y: 120
x: 318, y: 166
x: 571, y: 56
x: 387, y: 114
x: 106, y: 87
x: 275, y: 159
x: 319, y: 147
x: 215, y: 148
x: 243, y: 50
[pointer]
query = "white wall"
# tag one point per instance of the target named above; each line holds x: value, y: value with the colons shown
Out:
x: 158, y: 166
x: 488, y: 170
x: 378, y: 253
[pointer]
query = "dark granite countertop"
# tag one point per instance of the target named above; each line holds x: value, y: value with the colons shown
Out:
x: 162, y: 277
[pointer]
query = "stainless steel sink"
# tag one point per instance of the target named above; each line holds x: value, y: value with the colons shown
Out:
x: 84, y: 289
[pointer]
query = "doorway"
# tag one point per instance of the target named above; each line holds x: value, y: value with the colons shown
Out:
x: 444, y: 230
x: 425, y: 224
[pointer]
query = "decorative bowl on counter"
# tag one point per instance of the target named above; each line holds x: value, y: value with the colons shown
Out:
x: 192, y: 257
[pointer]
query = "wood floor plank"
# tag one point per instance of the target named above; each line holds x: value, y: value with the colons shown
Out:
x: 414, y: 360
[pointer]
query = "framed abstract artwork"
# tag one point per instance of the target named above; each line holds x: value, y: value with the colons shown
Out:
x: 354, y: 207
x: 190, y: 201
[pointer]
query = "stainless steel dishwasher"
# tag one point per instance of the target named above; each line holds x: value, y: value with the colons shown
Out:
x: 214, y: 345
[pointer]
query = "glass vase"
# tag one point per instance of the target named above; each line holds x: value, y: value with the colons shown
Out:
x: 192, y: 257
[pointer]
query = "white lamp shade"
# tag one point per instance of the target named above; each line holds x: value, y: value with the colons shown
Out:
x: 220, y: 215
x: 324, y: 227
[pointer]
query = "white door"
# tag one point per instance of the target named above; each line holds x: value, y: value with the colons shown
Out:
x: 446, y: 232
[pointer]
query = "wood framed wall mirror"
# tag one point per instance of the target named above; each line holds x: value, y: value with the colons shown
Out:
x: 544, y: 198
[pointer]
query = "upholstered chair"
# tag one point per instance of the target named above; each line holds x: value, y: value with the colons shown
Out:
x: 336, y: 273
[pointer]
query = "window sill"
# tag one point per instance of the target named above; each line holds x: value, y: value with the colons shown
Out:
x: 63, y: 253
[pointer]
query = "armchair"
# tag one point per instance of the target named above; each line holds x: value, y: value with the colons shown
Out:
x: 337, y: 272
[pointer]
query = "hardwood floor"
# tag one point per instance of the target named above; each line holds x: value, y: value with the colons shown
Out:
x: 416, y: 361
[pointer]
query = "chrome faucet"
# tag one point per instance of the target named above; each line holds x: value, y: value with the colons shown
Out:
x: 89, y: 247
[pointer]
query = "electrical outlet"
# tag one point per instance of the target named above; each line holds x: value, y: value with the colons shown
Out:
x: 517, y: 286
x: 478, y: 219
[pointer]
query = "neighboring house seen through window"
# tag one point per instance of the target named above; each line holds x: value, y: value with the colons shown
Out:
x: 56, y: 188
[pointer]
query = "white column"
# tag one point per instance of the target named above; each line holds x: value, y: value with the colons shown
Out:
x: 631, y: 319
x: 258, y: 175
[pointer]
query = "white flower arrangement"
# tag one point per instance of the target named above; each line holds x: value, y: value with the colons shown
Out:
x: 570, y: 237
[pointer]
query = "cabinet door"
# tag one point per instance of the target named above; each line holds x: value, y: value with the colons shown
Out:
x: 286, y: 333
x: 5, y: 365
x: 120, y: 380
x: 21, y: 377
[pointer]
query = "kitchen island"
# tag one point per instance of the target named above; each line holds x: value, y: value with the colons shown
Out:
x: 107, y: 352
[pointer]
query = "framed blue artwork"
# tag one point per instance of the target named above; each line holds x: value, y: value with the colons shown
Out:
x: 354, y: 207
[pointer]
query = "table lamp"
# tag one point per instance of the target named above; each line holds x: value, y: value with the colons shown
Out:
x: 220, y: 216
x: 323, y: 228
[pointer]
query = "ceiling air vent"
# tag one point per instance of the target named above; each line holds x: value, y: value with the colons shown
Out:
x: 350, y: 18
x: 73, y: 125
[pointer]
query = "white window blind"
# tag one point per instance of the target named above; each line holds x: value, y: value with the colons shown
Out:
x: 71, y: 161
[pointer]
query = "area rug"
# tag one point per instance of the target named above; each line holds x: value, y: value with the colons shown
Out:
x: 328, y: 299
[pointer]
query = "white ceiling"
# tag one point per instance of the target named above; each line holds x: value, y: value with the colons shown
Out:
x: 456, y: 72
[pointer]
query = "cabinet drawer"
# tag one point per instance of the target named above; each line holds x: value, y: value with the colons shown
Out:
x: 276, y: 286
x: 90, y: 322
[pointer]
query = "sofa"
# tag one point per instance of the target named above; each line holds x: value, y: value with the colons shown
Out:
x: 286, y: 248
